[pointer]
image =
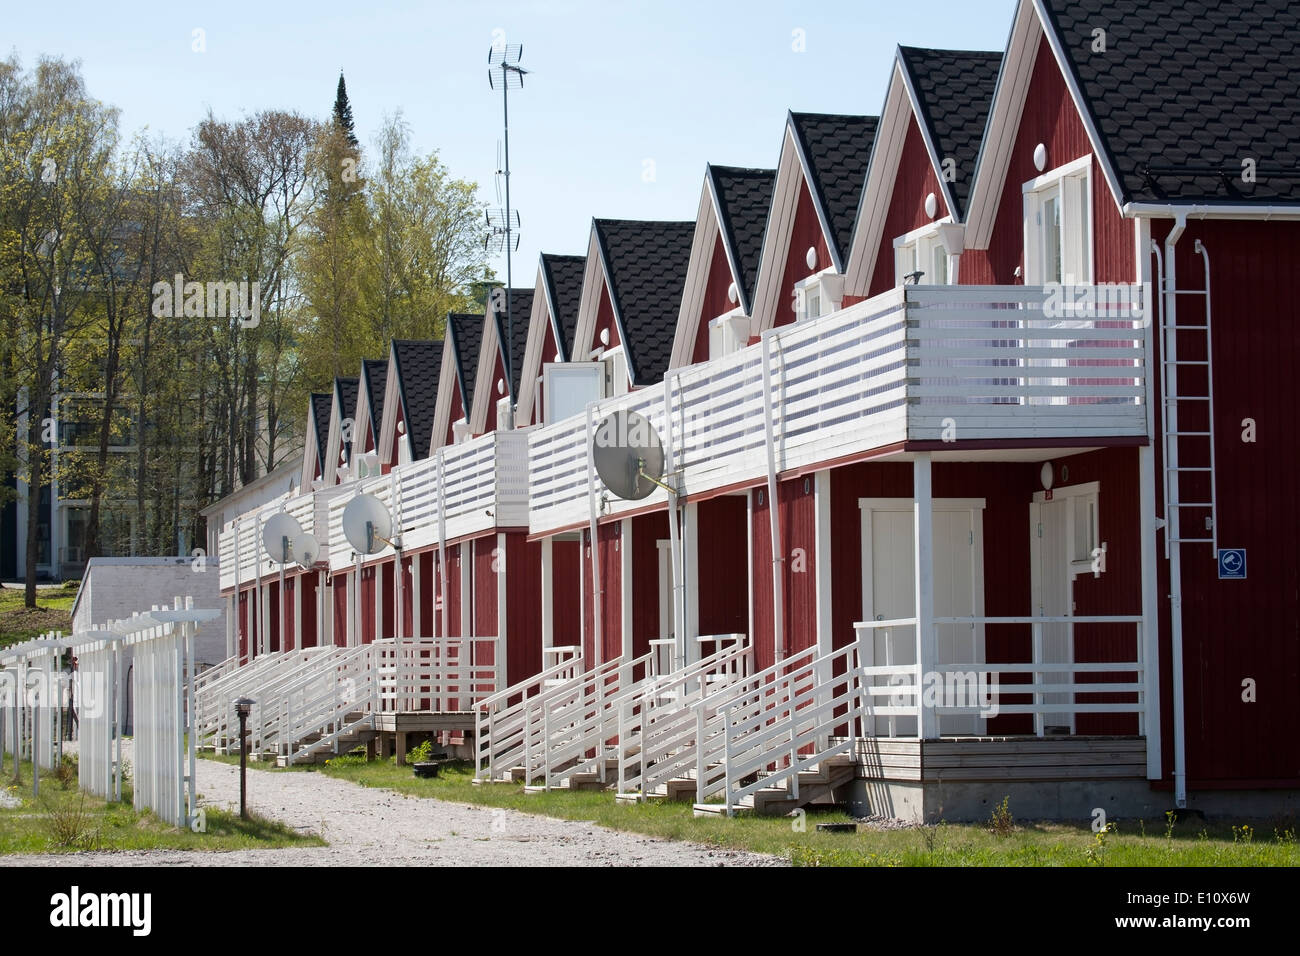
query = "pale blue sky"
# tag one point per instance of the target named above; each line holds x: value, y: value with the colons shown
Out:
x: 614, y: 84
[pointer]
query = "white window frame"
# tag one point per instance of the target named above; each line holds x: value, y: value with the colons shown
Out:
x: 553, y: 370
x: 820, y: 294
x: 728, y: 333
x: 915, y: 251
x: 1087, y: 494
x: 1072, y: 186
x: 613, y: 359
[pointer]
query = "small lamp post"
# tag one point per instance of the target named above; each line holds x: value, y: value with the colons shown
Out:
x: 243, y: 707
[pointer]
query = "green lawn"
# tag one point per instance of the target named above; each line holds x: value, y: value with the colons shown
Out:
x: 52, y: 613
x: 63, y: 819
x: 1132, y: 843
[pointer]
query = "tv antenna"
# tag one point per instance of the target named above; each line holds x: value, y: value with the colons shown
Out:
x: 504, y: 74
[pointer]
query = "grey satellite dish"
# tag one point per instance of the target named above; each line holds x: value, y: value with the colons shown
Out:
x: 367, y: 525
x: 628, y: 454
x: 307, y: 549
x: 278, y: 536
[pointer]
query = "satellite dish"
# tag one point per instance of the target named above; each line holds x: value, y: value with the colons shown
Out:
x: 628, y: 454
x: 367, y: 525
x: 307, y: 549
x: 278, y: 535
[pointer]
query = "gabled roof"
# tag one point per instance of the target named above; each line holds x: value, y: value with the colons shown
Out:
x: 319, y: 407
x: 417, y: 365
x: 375, y: 373
x: 346, y: 390
x: 952, y: 91
x: 521, y: 306
x: 742, y: 199
x: 465, y: 334
x: 562, y: 282
x: 645, y: 266
x: 835, y: 150
x: 1188, y: 89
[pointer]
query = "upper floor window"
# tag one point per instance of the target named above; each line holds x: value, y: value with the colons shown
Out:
x: 819, y: 294
x: 567, y: 388
x: 728, y: 333
x: 1058, y: 225
x: 920, y: 257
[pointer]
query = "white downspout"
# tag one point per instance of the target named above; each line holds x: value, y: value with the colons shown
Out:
x: 773, y: 514
x: 1172, y: 531
x: 442, y: 544
x: 597, y: 648
x: 681, y: 643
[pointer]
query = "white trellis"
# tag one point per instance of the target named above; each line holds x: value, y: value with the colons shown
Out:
x: 34, y: 692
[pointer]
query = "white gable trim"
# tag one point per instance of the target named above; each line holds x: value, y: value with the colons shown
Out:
x: 776, y: 235
x: 485, y: 387
x: 878, y: 191
x: 697, y: 278
x: 392, y: 405
x: 309, y: 449
x: 540, y: 319
x: 447, y: 385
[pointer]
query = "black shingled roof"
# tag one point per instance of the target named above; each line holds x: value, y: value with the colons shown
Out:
x: 321, y: 403
x: 563, y: 276
x: 647, y: 264
x: 521, y: 305
x: 954, y: 90
x: 375, y: 372
x: 1187, y: 85
x: 419, y: 364
x: 837, y: 148
x: 744, y: 198
x: 466, y: 337
x: 347, y: 392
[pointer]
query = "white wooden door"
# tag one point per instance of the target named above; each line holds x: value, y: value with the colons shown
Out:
x: 889, y: 591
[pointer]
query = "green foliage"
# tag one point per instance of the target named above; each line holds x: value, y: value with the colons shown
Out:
x: 1001, y: 822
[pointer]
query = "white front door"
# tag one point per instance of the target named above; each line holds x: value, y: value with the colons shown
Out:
x: 889, y: 591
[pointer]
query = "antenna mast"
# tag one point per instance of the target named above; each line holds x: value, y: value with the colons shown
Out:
x: 504, y: 72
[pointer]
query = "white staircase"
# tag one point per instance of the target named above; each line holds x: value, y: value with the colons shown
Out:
x: 657, y: 725
x: 501, y: 720
x: 214, y: 711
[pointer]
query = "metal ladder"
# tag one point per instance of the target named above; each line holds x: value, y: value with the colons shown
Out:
x: 1171, y: 398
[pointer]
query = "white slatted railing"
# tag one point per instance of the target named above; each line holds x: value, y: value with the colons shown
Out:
x: 656, y: 723
x: 501, y: 718
x: 920, y: 363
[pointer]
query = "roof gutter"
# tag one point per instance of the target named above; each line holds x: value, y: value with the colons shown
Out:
x: 1133, y: 210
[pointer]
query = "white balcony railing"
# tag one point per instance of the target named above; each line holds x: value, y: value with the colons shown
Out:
x: 939, y: 364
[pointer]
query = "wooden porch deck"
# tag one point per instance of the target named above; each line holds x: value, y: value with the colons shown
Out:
x: 1025, y: 758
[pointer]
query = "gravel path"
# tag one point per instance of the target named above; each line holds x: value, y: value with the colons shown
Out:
x: 371, y: 827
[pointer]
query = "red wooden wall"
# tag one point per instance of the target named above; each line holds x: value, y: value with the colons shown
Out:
x: 484, y: 590
x: 566, y: 584
x: 367, y: 604
x: 1235, y: 630
x: 647, y: 531
x: 310, y: 584
x: 523, y: 565
x: 722, y: 543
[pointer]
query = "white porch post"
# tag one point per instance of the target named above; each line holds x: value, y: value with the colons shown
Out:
x: 822, y: 560
x: 548, y: 593
x: 625, y: 586
x: 923, y: 505
x: 690, y: 594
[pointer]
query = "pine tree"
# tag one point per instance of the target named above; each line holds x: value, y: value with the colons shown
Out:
x: 343, y: 112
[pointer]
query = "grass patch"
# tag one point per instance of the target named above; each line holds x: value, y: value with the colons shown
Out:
x: 64, y: 819
x: 998, y: 842
x: 53, y: 612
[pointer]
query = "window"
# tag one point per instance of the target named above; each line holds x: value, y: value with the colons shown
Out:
x: 728, y: 333
x: 819, y: 294
x: 923, y: 251
x: 568, y: 387
x: 1058, y: 226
